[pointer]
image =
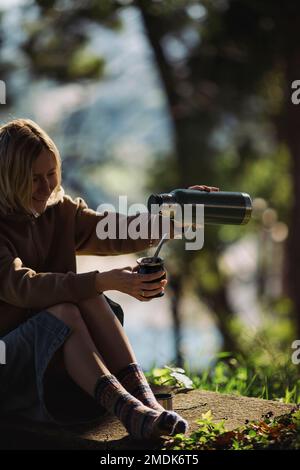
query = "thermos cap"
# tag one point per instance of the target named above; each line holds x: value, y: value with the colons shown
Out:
x: 248, y: 208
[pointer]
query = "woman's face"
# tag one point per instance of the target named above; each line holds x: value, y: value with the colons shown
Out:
x: 44, y: 179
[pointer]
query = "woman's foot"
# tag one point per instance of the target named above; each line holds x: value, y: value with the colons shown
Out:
x: 134, y: 381
x: 140, y: 421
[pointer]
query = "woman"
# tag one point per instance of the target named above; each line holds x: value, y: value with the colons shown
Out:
x: 53, y: 321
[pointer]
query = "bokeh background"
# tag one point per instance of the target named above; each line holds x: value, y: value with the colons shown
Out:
x: 149, y: 96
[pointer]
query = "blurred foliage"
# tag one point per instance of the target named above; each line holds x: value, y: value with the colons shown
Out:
x: 233, y: 374
x: 263, y: 368
x: 57, y: 34
x: 174, y: 378
x: 227, y: 90
x: 223, y: 68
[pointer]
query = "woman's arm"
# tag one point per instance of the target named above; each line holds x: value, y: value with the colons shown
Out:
x: 103, y: 234
x: 24, y: 287
x: 112, y: 234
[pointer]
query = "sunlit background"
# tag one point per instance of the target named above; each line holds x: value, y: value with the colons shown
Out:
x: 133, y: 113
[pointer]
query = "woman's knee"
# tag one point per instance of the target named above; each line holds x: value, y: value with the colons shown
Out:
x: 67, y: 312
x: 93, y: 301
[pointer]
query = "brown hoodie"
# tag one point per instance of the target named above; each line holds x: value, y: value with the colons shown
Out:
x: 38, y: 258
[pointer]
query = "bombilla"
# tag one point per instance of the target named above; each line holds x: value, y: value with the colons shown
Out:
x: 160, y: 245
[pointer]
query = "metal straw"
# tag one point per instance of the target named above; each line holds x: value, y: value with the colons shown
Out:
x: 160, y: 245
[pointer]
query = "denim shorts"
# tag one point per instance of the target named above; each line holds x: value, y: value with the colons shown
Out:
x: 29, y: 349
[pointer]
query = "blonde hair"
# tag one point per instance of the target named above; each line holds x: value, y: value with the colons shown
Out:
x: 21, y: 142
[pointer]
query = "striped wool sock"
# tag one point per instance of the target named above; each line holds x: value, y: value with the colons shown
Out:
x: 133, y: 379
x: 139, y: 420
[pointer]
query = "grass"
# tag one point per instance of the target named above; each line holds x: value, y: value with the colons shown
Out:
x: 278, y: 380
x: 257, y: 376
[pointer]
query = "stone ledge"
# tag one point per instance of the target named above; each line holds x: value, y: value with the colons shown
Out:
x: 109, y: 434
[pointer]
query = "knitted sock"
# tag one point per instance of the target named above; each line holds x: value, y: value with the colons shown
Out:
x: 139, y: 420
x: 133, y: 379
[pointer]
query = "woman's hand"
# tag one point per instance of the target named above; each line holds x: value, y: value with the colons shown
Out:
x: 203, y: 187
x: 130, y: 282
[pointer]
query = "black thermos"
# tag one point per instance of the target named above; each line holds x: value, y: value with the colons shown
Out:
x: 220, y: 207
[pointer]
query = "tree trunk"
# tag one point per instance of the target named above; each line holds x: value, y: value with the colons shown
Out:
x: 188, y: 142
x: 175, y: 285
x: 218, y: 302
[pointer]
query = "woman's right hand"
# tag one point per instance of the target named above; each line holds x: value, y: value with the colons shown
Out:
x: 130, y: 282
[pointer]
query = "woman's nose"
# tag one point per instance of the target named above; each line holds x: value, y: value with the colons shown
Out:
x: 44, y: 186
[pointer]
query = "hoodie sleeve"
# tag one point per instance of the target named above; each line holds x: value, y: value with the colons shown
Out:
x: 113, y: 233
x: 23, y: 287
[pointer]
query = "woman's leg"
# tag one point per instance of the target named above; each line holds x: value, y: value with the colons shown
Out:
x: 115, y: 349
x: 107, y: 333
x: 114, y: 346
x: 86, y: 367
x: 81, y: 357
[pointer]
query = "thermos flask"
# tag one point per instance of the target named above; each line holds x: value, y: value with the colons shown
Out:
x: 220, y: 207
